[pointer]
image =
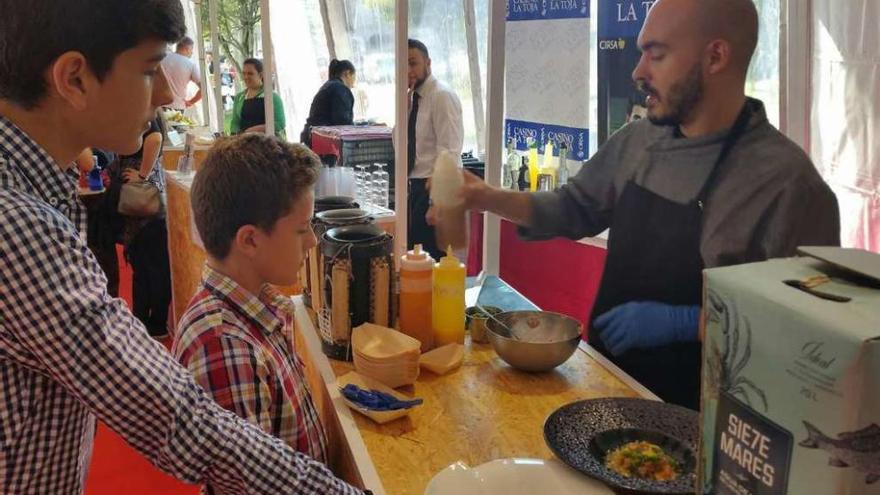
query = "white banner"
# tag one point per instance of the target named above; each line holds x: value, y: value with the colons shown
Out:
x: 548, y: 73
x: 845, y: 120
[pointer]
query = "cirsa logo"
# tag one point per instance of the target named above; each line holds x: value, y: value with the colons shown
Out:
x: 618, y: 44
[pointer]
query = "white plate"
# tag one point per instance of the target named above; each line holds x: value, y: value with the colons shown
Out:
x: 514, y: 477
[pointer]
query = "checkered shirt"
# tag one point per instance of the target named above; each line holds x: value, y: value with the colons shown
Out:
x: 239, y: 348
x: 70, y: 353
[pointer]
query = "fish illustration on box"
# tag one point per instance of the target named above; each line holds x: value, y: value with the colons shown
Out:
x: 857, y: 449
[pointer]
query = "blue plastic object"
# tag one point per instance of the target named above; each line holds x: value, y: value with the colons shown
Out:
x: 376, y: 400
x: 94, y: 179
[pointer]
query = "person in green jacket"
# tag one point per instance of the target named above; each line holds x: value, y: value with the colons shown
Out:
x: 248, y: 110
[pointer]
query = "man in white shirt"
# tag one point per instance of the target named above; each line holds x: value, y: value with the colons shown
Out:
x: 180, y: 71
x: 435, y: 124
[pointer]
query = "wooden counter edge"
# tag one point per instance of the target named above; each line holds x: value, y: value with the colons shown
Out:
x: 617, y: 372
x: 350, y: 432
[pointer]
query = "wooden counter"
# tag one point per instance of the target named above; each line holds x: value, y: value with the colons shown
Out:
x: 483, y: 411
x: 186, y: 255
x: 170, y: 157
x: 171, y: 154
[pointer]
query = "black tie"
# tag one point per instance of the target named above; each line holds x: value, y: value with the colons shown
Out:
x: 411, y: 134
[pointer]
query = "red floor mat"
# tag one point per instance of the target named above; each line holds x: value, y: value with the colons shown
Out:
x: 116, y: 468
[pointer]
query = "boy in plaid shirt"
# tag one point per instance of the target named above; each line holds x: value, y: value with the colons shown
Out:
x: 252, y: 202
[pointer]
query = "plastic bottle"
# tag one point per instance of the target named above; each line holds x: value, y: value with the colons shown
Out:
x: 534, y: 168
x: 548, y: 158
x: 94, y: 179
x: 446, y: 183
x: 416, y: 270
x: 562, y: 172
x: 548, y: 169
x: 508, y: 171
x: 522, y: 182
x: 447, y: 313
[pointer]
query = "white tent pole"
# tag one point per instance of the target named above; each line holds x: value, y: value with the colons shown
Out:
x: 494, y: 131
x: 470, y: 29
x: 268, y: 68
x: 203, y: 66
x: 215, y: 53
x: 328, y: 30
x: 795, y: 71
x: 401, y: 182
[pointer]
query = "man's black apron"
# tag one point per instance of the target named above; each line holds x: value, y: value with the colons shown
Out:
x: 253, y: 113
x: 654, y: 255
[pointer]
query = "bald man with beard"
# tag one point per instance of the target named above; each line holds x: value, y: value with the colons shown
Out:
x: 705, y: 181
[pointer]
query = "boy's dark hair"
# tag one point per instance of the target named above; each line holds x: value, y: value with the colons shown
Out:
x: 418, y: 45
x: 249, y: 179
x: 339, y: 67
x: 34, y: 33
x: 257, y: 63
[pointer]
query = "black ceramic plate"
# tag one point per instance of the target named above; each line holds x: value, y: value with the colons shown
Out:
x: 582, y: 433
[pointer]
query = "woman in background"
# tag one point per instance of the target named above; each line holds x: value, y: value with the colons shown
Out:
x: 334, y: 102
x: 104, y: 223
x: 146, y: 238
x: 248, y: 110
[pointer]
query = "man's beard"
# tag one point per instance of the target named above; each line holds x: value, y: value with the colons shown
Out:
x: 683, y: 97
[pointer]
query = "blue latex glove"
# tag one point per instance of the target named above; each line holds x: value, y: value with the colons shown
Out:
x: 646, y: 324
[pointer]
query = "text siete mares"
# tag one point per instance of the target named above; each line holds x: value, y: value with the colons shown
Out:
x: 752, y: 454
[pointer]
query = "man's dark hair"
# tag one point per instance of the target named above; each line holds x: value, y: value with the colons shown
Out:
x: 418, y: 45
x: 249, y: 179
x: 34, y: 33
x: 257, y: 63
x: 185, y: 42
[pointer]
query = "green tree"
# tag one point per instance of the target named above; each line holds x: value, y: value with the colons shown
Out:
x: 239, y: 23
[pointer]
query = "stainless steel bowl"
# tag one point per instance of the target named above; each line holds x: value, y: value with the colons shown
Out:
x: 534, y: 340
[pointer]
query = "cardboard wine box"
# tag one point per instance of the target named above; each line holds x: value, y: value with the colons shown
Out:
x: 791, y: 377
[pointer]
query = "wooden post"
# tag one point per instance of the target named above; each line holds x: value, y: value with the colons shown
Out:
x: 470, y: 29
x: 401, y: 174
x: 268, y: 67
x: 495, y: 128
x: 215, y: 53
x: 203, y: 65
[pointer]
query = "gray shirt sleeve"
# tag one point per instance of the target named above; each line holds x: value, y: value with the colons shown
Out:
x: 768, y: 201
x: 805, y: 213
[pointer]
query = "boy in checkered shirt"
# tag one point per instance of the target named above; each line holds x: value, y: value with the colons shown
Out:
x: 252, y: 202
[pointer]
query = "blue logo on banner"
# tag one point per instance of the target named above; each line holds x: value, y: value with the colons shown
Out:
x: 577, y: 140
x: 622, y: 18
x: 533, y: 10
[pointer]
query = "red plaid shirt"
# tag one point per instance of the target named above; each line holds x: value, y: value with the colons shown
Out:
x: 239, y: 348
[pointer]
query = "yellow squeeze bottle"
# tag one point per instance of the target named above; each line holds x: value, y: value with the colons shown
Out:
x: 533, y: 167
x: 447, y: 312
x: 549, y: 168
